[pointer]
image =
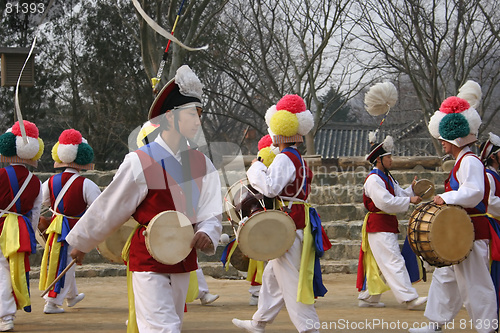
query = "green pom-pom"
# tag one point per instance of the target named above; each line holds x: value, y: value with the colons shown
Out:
x: 454, y: 125
x: 8, y: 144
x: 85, y: 154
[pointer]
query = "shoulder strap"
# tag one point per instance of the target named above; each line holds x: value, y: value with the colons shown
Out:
x: 18, y: 194
x: 63, y: 191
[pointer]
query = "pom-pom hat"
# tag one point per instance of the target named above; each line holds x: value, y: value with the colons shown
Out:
x: 489, y: 147
x: 289, y: 120
x: 184, y: 89
x: 455, y: 122
x: 15, y: 149
x: 73, y: 151
x: 266, y: 152
x: 380, y: 149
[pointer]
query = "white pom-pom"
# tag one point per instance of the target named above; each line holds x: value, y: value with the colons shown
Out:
x: 189, y: 84
x: 27, y: 150
x: 474, y: 120
x: 380, y: 98
x: 372, y: 136
x: 388, y: 144
x: 434, y: 123
x: 494, y: 139
x: 306, y: 122
x: 67, y: 153
x: 269, y: 114
x: 84, y: 140
x: 224, y: 238
x: 471, y: 92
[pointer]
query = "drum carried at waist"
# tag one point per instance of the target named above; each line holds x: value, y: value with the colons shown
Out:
x: 263, y: 232
x: 111, y: 247
x: 442, y: 235
x: 168, y: 237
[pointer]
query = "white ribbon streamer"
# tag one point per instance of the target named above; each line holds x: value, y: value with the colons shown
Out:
x: 156, y: 27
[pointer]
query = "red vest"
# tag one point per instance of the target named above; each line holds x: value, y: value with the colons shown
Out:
x: 380, y: 222
x: 298, y: 211
x: 73, y: 201
x: 481, y: 223
x: 158, y: 200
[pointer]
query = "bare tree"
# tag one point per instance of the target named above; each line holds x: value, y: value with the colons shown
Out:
x: 439, y: 45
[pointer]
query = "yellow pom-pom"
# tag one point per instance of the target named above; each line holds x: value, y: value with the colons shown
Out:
x: 267, y: 156
x: 55, y: 157
x: 284, y: 123
x: 41, y: 146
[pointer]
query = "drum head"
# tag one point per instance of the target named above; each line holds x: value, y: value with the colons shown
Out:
x: 266, y: 235
x: 424, y: 188
x: 231, y: 193
x: 111, y: 247
x: 452, y: 233
x: 168, y: 237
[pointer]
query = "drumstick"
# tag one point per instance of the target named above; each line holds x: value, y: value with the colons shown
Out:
x: 58, y: 277
x: 430, y: 187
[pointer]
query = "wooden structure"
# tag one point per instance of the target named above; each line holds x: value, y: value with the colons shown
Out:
x: 12, y: 61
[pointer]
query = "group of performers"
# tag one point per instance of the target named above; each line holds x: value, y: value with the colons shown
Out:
x: 167, y: 174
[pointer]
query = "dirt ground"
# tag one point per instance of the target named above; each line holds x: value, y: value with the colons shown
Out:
x: 104, y: 309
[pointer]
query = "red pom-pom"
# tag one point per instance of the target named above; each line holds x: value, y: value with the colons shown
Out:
x: 70, y: 137
x: 31, y: 129
x: 265, y: 141
x: 291, y: 103
x: 454, y: 104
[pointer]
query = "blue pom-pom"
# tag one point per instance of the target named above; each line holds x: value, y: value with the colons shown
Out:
x: 8, y: 144
x: 85, y: 154
x: 454, y: 125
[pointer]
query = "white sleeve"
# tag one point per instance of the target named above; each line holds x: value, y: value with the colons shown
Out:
x: 375, y: 189
x: 35, y: 211
x: 494, y: 201
x: 271, y: 181
x: 46, y: 193
x: 90, y: 191
x: 209, y: 213
x: 112, y: 208
x: 470, y: 176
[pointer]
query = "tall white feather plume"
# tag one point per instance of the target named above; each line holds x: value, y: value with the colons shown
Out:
x: 380, y: 98
x: 372, y: 136
x: 471, y: 92
x: 494, y: 139
x: 388, y: 144
x: 189, y: 84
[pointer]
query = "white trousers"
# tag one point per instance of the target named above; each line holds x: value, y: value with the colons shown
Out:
x: 387, y: 254
x: 279, y: 288
x: 69, y: 290
x: 159, y: 301
x: 202, y: 283
x: 7, y: 302
x: 468, y: 283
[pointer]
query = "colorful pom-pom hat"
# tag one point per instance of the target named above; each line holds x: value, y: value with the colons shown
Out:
x: 185, y: 89
x: 289, y: 120
x: 489, y: 147
x: 379, y: 149
x: 455, y: 122
x: 267, y: 152
x: 73, y: 151
x: 15, y: 149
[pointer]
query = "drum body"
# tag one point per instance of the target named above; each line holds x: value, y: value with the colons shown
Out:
x: 168, y: 237
x: 442, y: 235
x: 111, y: 247
x: 263, y: 232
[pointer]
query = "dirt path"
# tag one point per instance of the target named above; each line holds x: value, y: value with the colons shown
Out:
x: 104, y: 309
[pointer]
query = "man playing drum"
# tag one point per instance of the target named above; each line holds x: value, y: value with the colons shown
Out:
x: 468, y: 283
x: 68, y: 194
x: 165, y: 175
x: 20, y: 209
x: 289, y: 178
x: 383, y: 198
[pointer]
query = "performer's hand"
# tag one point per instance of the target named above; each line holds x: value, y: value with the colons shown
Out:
x: 414, y: 181
x: 415, y: 200
x: 201, y: 241
x: 438, y: 200
x: 255, y: 160
x: 78, y: 255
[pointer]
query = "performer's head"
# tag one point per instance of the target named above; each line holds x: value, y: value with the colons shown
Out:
x: 456, y: 123
x: 489, y: 151
x: 288, y: 121
x: 178, y: 105
x: 16, y: 149
x: 72, y: 151
x: 380, y: 154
